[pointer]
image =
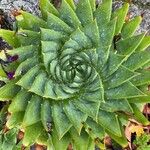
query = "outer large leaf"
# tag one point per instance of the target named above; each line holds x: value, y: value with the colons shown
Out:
x: 76, y: 117
x: 84, y: 9
x: 62, y: 123
x: 8, y: 91
x: 46, y: 6
x: 120, y: 91
x: 120, y: 14
x: 130, y: 27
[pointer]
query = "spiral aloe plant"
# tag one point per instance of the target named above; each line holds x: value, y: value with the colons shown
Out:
x: 80, y: 71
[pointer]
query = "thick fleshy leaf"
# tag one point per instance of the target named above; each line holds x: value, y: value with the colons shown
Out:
x: 59, y: 144
x: 45, y: 7
x: 27, y: 80
x: 8, y: 91
x: 142, y: 58
x: 55, y: 23
x: 139, y: 116
x: 142, y: 79
x: 39, y: 84
x: 130, y: 27
x: 52, y: 35
x: 122, y: 90
x: 115, y: 105
x: 31, y: 22
x: 121, y: 15
x: 94, y: 129
x: 25, y: 66
x: 103, y: 13
x: 19, y: 102
x: 84, y: 9
x: 61, y: 121
x: 32, y: 114
x: 27, y: 37
x: 68, y: 15
x: 15, y: 120
x: 10, y: 37
x: 88, y: 107
x: 81, y: 39
x: 81, y: 142
x: 32, y: 132
x: 106, y: 39
x: 129, y: 45
x: 144, y: 44
x: 23, y: 52
x: 122, y: 75
x: 121, y: 140
x: 76, y: 117
x: 91, y: 30
x: 71, y: 3
x: 109, y: 122
x: 46, y: 115
x: 114, y: 62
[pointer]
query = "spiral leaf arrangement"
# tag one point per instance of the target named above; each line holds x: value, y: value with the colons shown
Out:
x: 80, y: 72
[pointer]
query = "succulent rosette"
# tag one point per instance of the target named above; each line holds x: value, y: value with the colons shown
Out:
x: 81, y: 70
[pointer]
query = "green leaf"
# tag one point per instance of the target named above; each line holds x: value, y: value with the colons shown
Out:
x: 103, y: 13
x: 129, y: 45
x: 38, y: 84
x: 144, y: 44
x: 71, y: 3
x: 119, y: 77
x: 32, y: 113
x: 68, y: 15
x: 142, y: 79
x: 141, y: 57
x: 27, y: 79
x: 55, y: 23
x: 139, y: 116
x: 9, y: 139
x: 60, y: 144
x: 15, y: 119
x: 93, y: 4
x: 88, y: 107
x: 23, y: 52
x: 115, y: 105
x: 52, y: 35
x: 130, y: 27
x: 10, y: 37
x: 61, y: 121
x: 121, y: 15
x: 84, y: 9
x: 28, y: 37
x: 106, y: 39
x: 122, y: 90
x: 46, y: 115
x: 81, y: 39
x: 94, y: 129
x: 109, y: 122
x: 121, y: 140
x: 91, y: 30
x: 19, y: 102
x: 46, y: 6
x: 32, y: 132
x: 25, y: 66
x: 31, y: 22
x: 2, y: 72
x: 76, y: 117
x: 8, y: 91
x: 114, y: 62
x: 82, y: 142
